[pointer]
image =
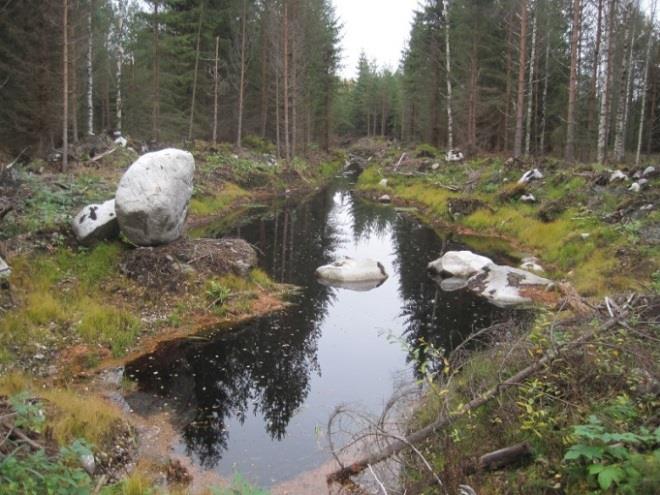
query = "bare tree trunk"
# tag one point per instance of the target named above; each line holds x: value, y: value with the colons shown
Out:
x: 509, y: 71
x: 544, y: 101
x: 241, y: 89
x: 569, y: 154
x: 645, y: 83
x: 65, y: 85
x: 278, y: 138
x: 530, y: 86
x: 155, y: 122
x: 216, y: 80
x: 285, y: 77
x: 473, y: 90
x: 593, y: 91
x: 73, y: 101
x: 624, y: 87
x: 450, y: 116
x: 626, y: 108
x: 522, y: 62
x: 264, y: 83
x: 194, y: 88
x: 90, y: 70
x: 294, y: 95
x: 119, y: 104
x: 604, y: 110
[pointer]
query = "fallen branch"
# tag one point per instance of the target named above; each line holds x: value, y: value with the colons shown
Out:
x: 398, y: 164
x: 14, y: 162
x: 343, y: 474
x: 104, y: 154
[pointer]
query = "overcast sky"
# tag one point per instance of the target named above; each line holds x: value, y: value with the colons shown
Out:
x: 379, y: 27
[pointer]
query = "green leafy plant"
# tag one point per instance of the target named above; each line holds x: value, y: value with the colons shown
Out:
x: 609, y: 459
x: 29, y: 414
x: 217, y: 293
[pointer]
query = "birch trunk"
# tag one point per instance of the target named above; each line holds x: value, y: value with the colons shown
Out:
x: 65, y: 85
x: 522, y: 62
x: 530, y: 87
x: 647, y: 59
x: 119, y: 104
x: 569, y: 154
x: 624, y: 88
x: 594, y: 71
x: 241, y: 89
x: 216, y: 77
x: 450, y: 117
x: 90, y: 71
x: 194, y: 88
x: 604, y: 113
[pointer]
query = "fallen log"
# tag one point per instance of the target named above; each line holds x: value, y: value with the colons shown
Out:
x: 501, y: 458
x: 344, y: 473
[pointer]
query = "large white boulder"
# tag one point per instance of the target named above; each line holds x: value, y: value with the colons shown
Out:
x: 506, y: 286
x: 153, y: 195
x: 454, y: 156
x: 352, y: 270
x: 5, y: 271
x: 461, y: 264
x: 530, y: 175
x: 96, y: 222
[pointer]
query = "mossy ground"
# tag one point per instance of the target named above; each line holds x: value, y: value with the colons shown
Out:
x: 578, y: 245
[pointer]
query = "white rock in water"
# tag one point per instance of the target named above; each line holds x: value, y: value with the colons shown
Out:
x: 528, y: 198
x: 153, y: 195
x: 385, y: 198
x: 618, y: 175
x: 96, y: 222
x: 503, y: 285
x: 352, y: 270
x: 364, y: 286
x: 648, y: 171
x: 635, y: 187
x: 530, y: 175
x: 453, y: 284
x: 461, y: 264
x: 5, y: 271
x: 383, y: 183
x: 454, y: 156
x: 121, y: 141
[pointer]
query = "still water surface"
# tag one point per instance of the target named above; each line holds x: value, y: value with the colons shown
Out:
x: 256, y: 400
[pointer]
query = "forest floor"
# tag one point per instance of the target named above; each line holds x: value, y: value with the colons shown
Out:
x: 589, y: 418
x: 70, y: 315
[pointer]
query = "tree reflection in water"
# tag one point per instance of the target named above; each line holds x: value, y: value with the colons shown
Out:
x: 265, y: 368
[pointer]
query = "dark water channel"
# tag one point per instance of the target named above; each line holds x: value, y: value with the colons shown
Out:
x: 256, y: 399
